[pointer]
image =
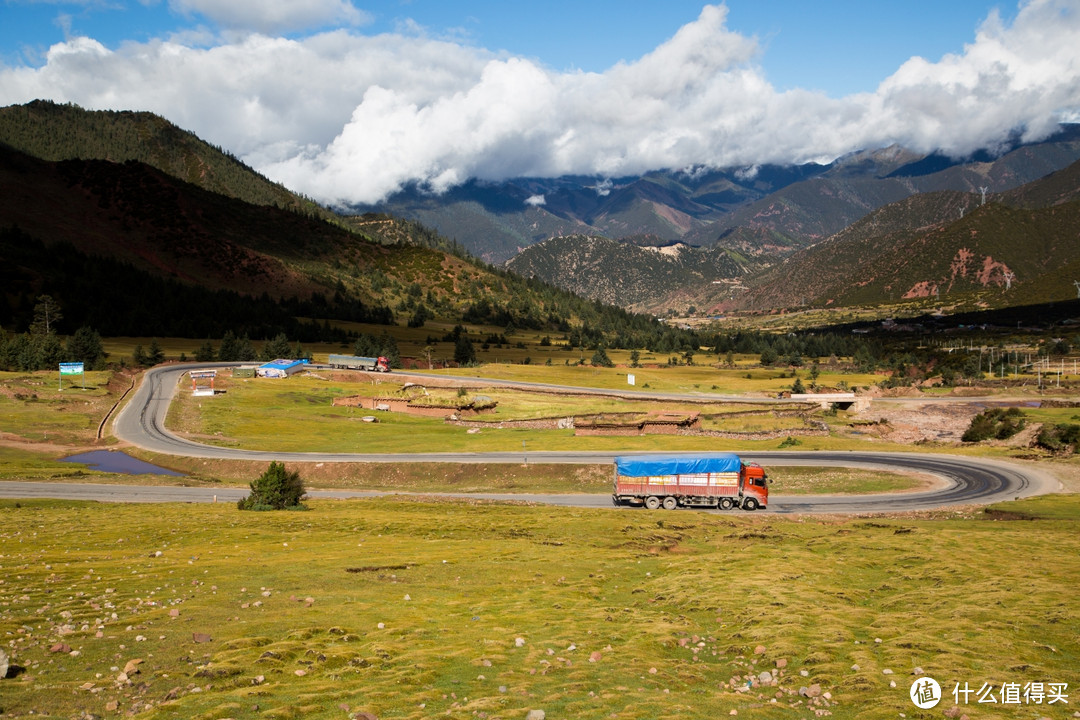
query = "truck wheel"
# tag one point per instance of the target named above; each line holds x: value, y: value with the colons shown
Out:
x: 750, y: 504
x: 670, y: 503
x: 652, y: 502
x: 726, y: 504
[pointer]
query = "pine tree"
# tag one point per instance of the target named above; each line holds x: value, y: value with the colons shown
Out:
x: 155, y: 355
x: 205, y: 353
x: 46, y: 315
x: 85, y: 347
x: 464, y: 352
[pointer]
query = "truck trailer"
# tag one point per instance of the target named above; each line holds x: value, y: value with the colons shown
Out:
x: 720, y: 480
x: 355, y: 362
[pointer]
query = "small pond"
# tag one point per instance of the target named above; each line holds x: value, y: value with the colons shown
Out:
x: 118, y: 462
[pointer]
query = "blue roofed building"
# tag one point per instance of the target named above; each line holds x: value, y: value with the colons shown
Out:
x: 281, y: 368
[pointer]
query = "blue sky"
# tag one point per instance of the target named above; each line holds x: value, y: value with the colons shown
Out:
x: 347, y: 100
x: 837, y: 46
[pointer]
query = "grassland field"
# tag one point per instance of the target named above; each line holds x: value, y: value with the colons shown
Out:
x: 415, y: 607
x: 423, y: 608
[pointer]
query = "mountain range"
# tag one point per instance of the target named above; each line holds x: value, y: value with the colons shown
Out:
x: 768, y: 210
x: 799, y: 247
x: 886, y: 227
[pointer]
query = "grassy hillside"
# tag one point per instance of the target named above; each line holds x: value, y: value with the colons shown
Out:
x: 52, y: 131
x: 114, y: 232
x: 624, y: 273
x: 942, y: 249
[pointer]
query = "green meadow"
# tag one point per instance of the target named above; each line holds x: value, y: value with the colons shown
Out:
x: 422, y: 608
x: 297, y: 414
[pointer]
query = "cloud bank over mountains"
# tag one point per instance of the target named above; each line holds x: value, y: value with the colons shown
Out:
x: 350, y: 118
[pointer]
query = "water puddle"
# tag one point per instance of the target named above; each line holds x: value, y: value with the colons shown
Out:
x: 118, y: 462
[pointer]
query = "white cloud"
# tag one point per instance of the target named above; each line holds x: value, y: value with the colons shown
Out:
x: 603, y: 188
x: 535, y: 200
x: 350, y: 118
x: 270, y: 16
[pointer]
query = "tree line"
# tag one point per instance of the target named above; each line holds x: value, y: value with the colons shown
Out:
x: 117, y: 299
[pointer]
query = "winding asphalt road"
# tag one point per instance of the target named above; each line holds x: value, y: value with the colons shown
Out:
x: 958, y: 480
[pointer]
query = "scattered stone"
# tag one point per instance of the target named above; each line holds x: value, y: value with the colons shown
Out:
x: 60, y: 648
x: 811, y: 692
x: 502, y: 688
x: 258, y: 680
x: 4, y: 663
x: 733, y: 712
x: 917, y: 671
x: 299, y: 673
x: 201, y: 637
x: 174, y: 613
x: 765, y: 677
x: 877, y: 640
x: 781, y: 662
x: 381, y: 626
x: 519, y: 642
x: 132, y: 666
x: 407, y: 598
x: 363, y: 715
x: 855, y: 667
x: 804, y: 673
x: 536, y: 715
x: 595, y: 656
x: 953, y: 712
x: 122, y: 678
x: 759, y: 650
x: 652, y: 671
x: 485, y: 663
x: 111, y: 706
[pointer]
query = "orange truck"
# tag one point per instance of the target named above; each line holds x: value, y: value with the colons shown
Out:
x: 716, y: 480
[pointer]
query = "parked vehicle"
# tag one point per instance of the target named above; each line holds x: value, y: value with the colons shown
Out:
x: 719, y: 480
x: 355, y: 362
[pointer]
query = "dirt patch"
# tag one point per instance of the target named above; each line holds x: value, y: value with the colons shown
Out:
x: 17, y: 442
x: 912, y: 423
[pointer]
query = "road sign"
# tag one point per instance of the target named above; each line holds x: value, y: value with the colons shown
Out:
x: 71, y: 368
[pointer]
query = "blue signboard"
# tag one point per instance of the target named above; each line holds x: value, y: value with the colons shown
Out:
x: 72, y: 368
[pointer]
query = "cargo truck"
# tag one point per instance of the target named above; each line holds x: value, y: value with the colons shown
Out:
x: 719, y: 480
x: 355, y: 362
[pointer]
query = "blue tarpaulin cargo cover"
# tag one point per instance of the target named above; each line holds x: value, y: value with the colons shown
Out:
x: 645, y: 465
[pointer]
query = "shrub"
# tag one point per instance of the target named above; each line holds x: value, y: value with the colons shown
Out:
x: 997, y: 423
x: 1058, y: 438
x: 275, y: 489
x: 600, y: 357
